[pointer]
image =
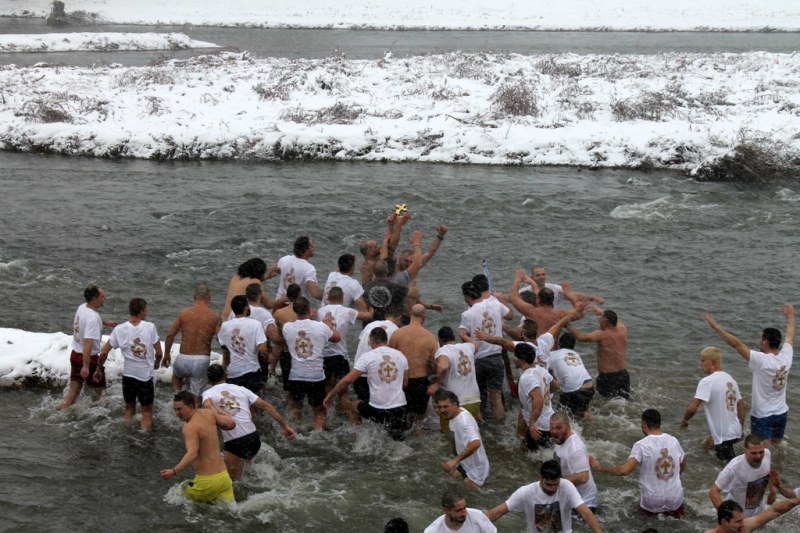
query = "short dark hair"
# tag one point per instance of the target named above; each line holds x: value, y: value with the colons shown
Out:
x: 396, y: 525
x: 238, y: 304
x: 301, y: 245
x: 301, y: 306
x: 446, y: 334
x: 216, y: 373
x: 611, y: 317
x: 726, y: 509
x: 773, y: 337
x: 293, y: 291
x: 253, y: 292
x: 547, y: 296
x: 550, y: 470
x: 136, y: 306
x: 525, y: 352
x: 566, y: 340
x: 90, y: 293
x: 471, y: 289
x: 651, y: 418
x: 379, y: 335
x: 252, y: 268
x: 335, y: 293
x: 528, y: 297
x: 481, y: 281
x: 530, y: 329
x: 451, y: 497
x: 346, y: 262
x: 752, y: 440
x: 186, y: 397
x: 446, y: 395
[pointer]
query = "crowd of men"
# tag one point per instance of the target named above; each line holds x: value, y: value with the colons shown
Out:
x: 401, y: 371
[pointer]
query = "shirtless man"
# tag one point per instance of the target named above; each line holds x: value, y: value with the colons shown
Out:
x: 371, y: 252
x: 197, y: 325
x: 538, y: 281
x: 251, y: 271
x: 730, y: 516
x: 211, y: 481
x: 612, y: 350
x: 419, y: 346
x: 543, y: 313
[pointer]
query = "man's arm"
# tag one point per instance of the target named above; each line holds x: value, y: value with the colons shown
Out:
x: 159, y: 354
x: 416, y: 258
x: 191, y: 440
x: 442, y: 368
x: 576, y: 296
x: 264, y: 405
x: 314, y: 290
x: 491, y: 339
x: 578, y: 478
x: 771, y: 513
x: 169, y: 340
x: 471, y: 447
x: 715, y: 495
x: 741, y: 408
x: 788, y: 310
x: 589, y: 518
x: 514, y: 298
x: 87, y: 355
x: 497, y: 512
x: 690, y: 412
x: 342, y: 385
x: 536, y: 410
x: 103, y: 355
x: 729, y: 338
x: 441, y: 231
x: 576, y: 312
x: 619, y: 470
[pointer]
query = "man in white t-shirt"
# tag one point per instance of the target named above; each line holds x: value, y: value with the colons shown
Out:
x: 241, y: 443
x: 137, y: 340
x: 471, y: 463
x: 770, y: 368
x: 577, y: 387
x: 573, y: 457
x: 548, y: 503
x: 719, y: 395
x: 389, y: 325
x: 295, y: 268
x: 352, y: 291
x: 455, y: 371
x: 243, y: 344
x: 745, y: 478
x: 253, y: 293
x: 662, y: 460
x: 563, y: 291
x: 386, y: 371
x: 305, y: 339
x: 458, y: 517
x: 536, y: 387
x: 87, y: 332
x: 730, y: 516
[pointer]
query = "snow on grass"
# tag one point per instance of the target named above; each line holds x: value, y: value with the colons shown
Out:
x: 737, y: 15
x: 674, y: 111
x: 90, y: 42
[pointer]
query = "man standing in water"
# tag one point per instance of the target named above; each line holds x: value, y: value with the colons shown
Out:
x: 211, y: 481
x: 613, y: 380
x: 458, y: 517
x: 197, y: 325
x: 295, y: 268
x: 87, y: 331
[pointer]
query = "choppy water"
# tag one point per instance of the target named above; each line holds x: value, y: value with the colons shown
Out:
x: 660, y: 248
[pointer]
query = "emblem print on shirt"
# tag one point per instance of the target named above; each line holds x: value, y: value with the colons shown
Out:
x: 487, y: 324
x: 77, y: 329
x: 779, y: 381
x: 379, y: 296
x: 463, y: 367
x: 665, y: 466
x: 546, y: 393
x: 327, y: 290
x: 303, y: 345
x: 228, y: 403
x: 289, y: 279
x: 139, y: 349
x: 730, y: 396
x: 387, y: 370
x: 572, y: 359
x: 237, y: 341
x: 333, y: 321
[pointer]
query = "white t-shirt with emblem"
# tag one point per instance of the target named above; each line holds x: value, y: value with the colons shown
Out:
x: 476, y: 522
x: 546, y: 512
x: 720, y: 394
x: 533, y: 378
x: 235, y: 401
x: 384, y: 368
x: 744, y: 484
x: 241, y: 336
x: 568, y: 368
x: 351, y: 288
x: 305, y: 339
x: 259, y: 313
x: 363, y: 337
x: 460, y: 378
x: 542, y: 346
x: 87, y: 325
x: 770, y: 376
x: 486, y: 315
x: 465, y: 430
x: 295, y: 270
x: 136, y: 344
x: 574, y: 458
x: 659, y: 459
x: 343, y: 318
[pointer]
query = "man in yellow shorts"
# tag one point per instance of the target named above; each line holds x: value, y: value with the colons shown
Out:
x: 203, y: 454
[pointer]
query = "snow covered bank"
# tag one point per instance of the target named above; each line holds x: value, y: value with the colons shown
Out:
x: 646, y: 15
x: 89, y: 42
x: 674, y: 111
x: 42, y: 360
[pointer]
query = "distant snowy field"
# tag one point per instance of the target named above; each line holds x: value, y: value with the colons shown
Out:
x: 647, y: 15
x: 88, y: 42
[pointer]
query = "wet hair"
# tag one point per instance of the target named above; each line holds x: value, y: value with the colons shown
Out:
x: 752, y: 440
x: 528, y: 297
x: 611, y: 317
x: 380, y: 268
x: 136, y: 306
x: 446, y: 334
x: 379, y: 335
x: 364, y: 247
x: 773, y: 338
x: 301, y: 245
x: 450, y: 498
x: 566, y: 340
x: 481, y: 281
x: 530, y: 329
x: 185, y: 397
x: 561, y: 417
x: 525, y: 352
x: 90, y: 293
x: 713, y: 353
x: 471, y: 290
x: 547, y: 296
x: 301, y: 306
x: 252, y: 268
x: 238, y: 304
x: 394, y: 310
x: 253, y: 292
x: 215, y: 373
x: 202, y: 291
x: 293, y: 291
x: 335, y: 294
x: 726, y: 509
x: 445, y: 395
x: 346, y: 262
x: 651, y: 418
x: 550, y: 470
x: 396, y: 525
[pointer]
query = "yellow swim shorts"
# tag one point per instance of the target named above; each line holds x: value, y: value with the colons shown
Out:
x: 210, y: 488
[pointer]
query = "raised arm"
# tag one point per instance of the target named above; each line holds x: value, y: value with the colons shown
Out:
x: 441, y: 231
x: 729, y: 338
x: 788, y: 310
x: 416, y: 258
x: 514, y: 298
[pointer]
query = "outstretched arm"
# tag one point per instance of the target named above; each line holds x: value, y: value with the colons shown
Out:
x: 271, y: 411
x: 619, y: 470
x: 416, y: 258
x: 774, y: 511
x: 441, y: 230
x: 516, y: 300
x: 729, y: 338
x: 491, y: 339
x: 788, y: 310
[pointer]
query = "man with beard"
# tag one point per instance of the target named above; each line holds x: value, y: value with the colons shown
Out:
x: 572, y: 455
x: 458, y: 517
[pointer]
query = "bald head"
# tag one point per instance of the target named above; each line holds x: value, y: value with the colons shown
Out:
x: 418, y: 311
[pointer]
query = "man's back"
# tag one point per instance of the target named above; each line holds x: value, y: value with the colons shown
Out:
x: 198, y: 324
x: 418, y: 345
x: 612, y: 348
x: 202, y: 429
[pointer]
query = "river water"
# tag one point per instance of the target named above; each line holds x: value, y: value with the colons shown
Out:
x: 660, y: 247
